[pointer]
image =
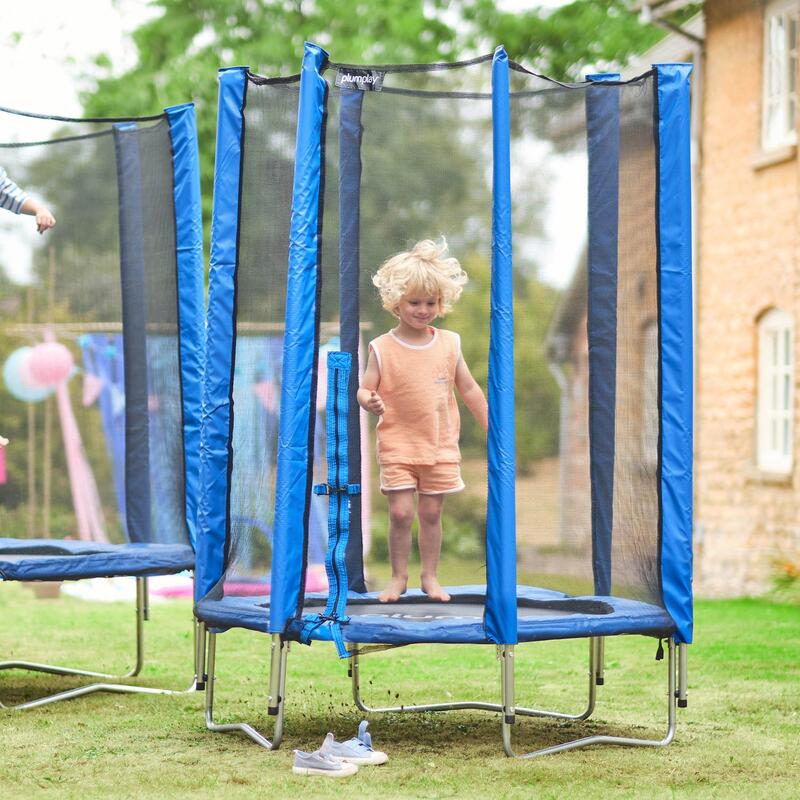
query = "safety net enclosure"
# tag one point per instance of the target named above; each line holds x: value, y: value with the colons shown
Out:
x: 569, y: 208
x: 101, y: 343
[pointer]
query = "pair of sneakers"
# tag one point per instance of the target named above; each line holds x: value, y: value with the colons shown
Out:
x: 339, y: 759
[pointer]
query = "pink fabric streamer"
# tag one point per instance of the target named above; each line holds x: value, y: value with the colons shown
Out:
x: 85, y: 497
x: 3, y: 477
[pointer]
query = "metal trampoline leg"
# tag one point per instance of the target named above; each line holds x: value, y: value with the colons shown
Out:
x: 507, y: 688
x: 683, y: 701
x: 476, y: 705
x: 599, y: 655
x: 200, y: 655
x: 277, y: 683
x: 142, y: 614
x: 141, y: 610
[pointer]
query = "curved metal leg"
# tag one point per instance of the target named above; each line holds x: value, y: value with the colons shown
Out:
x: 142, y: 614
x: 277, y: 684
x: 509, y: 711
x: 595, y: 670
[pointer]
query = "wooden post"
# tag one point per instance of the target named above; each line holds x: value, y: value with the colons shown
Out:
x: 47, y: 467
x: 31, y: 445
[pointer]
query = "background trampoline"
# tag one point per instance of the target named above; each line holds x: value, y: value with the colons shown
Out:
x: 344, y: 165
x: 102, y: 343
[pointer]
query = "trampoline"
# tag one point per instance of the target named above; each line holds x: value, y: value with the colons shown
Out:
x: 542, y: 615
x: 63, y: 560
x: 587, y: 357
x: 103, y: 388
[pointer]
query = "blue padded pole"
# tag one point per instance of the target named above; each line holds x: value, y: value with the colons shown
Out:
x: 602, y: 130
x: 674, y: 210
x: 134, y: 326
x: 189, y: 264
x: 350, y: 132
x: 500, y: 614
x: 298, y: 382
x: 213, y: 524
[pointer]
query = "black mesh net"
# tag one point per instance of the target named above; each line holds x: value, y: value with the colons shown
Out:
x: 552, y: 260
x: 84, y: 305
x: 423, y: 170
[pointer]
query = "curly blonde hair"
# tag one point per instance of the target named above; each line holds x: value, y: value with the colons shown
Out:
x: 425, y: 269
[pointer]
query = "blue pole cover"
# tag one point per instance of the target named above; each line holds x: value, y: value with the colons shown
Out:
x: 500, y: 614
x: 293, y: 480
x: 191, y: 313
x: 602, y: 132
x: 675, y: 301
x: 215, y: 437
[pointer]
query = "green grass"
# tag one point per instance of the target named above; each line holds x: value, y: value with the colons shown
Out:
x: 738, y: 738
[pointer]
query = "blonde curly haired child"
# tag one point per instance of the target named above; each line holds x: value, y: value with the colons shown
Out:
x: 409, y: 383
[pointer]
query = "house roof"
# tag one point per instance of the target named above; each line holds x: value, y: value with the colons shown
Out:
x: 674, y: 47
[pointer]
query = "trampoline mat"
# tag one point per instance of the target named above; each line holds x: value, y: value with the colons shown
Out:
x: 464, y: 606
x: 65, y: 560
x: 541, y: 614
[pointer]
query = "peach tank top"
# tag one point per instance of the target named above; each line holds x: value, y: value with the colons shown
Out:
x: 421, y: 423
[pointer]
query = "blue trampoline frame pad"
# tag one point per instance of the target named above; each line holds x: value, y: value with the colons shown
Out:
x: 542, y: 615
x: 67, y: 560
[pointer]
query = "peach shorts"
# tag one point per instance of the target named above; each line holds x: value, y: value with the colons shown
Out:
x: 424, y: 478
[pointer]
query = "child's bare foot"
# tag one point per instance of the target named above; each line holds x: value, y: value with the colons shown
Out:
x: 433, y: 589
x: 396, y: 587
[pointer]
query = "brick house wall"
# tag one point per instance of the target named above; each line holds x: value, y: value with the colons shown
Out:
x: 748, y: 255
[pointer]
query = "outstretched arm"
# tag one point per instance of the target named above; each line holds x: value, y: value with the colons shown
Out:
x: 44, y: 218
x: 472, y: 394
x: 367, y: 395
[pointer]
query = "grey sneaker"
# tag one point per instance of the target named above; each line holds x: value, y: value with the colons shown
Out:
x: 317, y: 763
x: 357, y: 750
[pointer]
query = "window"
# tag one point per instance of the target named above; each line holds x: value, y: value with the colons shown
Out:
x: 775, y: 391
x: 780, y: 74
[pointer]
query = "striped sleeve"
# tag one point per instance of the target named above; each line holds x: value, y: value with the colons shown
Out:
x: 11, y: 196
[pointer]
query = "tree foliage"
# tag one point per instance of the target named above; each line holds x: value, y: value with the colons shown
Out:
x: 180, y: 50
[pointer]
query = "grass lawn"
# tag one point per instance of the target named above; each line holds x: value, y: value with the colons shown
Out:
x: 740, y: 736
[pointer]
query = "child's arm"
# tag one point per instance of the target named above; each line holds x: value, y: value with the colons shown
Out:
x: 367, y: 395
x: 472, y: 394
x: 44, y: 218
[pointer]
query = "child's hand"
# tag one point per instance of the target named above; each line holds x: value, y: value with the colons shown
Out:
x: 375, y: 404
x: 44, y: 220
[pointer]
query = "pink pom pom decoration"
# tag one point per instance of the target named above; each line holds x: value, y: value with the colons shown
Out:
x: 50, y: 363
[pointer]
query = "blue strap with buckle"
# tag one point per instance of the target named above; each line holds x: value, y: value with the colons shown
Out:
x: 339, y: 492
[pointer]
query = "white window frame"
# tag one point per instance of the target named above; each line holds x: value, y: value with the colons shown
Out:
x: 775, y: 404
x: 779, y: 90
